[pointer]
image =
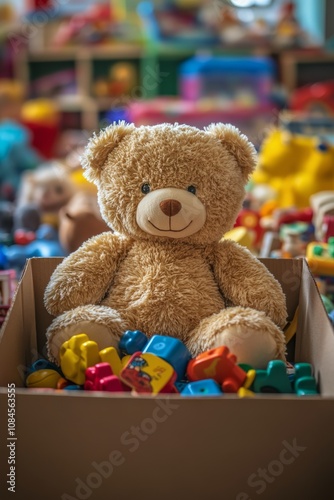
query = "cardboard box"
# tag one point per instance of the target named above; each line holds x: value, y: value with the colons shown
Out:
x: 79, y: 445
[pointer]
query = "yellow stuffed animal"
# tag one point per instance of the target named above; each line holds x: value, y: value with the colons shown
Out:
x: 295, y: 167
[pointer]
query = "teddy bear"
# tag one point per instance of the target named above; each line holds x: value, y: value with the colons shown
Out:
x: 169, y: 193
x: 41, y: 195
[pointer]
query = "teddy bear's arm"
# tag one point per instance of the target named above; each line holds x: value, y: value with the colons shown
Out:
x: 86, y: 274
x: 244, y: 280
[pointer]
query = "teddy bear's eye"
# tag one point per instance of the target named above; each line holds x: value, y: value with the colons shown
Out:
x: 145, y: 188
x: 191, y: 189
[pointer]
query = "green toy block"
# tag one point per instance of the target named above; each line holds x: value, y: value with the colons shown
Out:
x: 245, y: 367
x: 273, y: 379
x: 303, y: 370
x: 306, y: 386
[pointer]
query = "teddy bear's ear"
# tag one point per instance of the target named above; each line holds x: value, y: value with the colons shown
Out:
x: 237, y: 144
x: 100, y: 146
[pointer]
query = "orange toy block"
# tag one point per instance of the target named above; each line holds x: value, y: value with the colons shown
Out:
x: 220, y: 365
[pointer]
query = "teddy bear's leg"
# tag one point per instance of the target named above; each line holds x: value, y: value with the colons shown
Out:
x: 249, y: 334
x: 102, y: 325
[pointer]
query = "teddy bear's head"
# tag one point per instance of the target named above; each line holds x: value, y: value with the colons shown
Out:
x: 170, y: 181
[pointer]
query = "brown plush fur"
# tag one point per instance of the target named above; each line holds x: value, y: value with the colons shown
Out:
x: 149, y: 276
x: 79, y: 220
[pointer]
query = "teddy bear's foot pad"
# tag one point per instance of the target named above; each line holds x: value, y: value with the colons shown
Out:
x: 102, y: 325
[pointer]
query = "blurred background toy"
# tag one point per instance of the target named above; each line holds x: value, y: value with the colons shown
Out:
x: 288, y: 30
x: 295, y: 166
x: 16, y: 151
x: 6, y: 222
x: 42, y: 193
x: 317, y: 98
x: 79, y: 220
x: 92, y: 26
x: 322, y: 204
x: 122, y: 78
x: 41, y: 116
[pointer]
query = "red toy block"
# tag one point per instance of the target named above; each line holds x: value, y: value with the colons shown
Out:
x: 113, y: 384
x: 220, y: 365
x: 94, y: 375
x: 101, y: 378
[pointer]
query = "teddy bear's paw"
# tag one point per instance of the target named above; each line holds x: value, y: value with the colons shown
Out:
x: 105, y: 328
x: 249, y: 334
x: 252, y: 346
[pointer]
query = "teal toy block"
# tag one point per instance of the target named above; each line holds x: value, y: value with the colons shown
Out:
x: 272, y: 380
x: 304, y: 383
x: 303, y: 370
x: 306, y: 386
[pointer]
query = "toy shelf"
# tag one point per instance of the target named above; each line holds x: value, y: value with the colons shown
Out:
x: 86, y: 64
x: 156, y: 66
x: 305, y: 67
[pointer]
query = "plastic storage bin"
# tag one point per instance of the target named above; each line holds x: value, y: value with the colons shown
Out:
x: 235, y: 81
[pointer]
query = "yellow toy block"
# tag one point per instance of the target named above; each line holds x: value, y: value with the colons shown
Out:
x: 146, y: 372
x: 77, y: 354
x: 320, y: 258
x: 249, y: 379
x: 110, y: 355
x: 245, y: 393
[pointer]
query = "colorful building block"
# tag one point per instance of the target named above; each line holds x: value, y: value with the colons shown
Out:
x: 110, y: 355
x: 220, y: 365
x: 62, y: 383
x: 132, y: 341
x: 145, y: 372
x: 306, y: 386
x: 101, y: 378
x: 207, y: 387
x: 320, y: 257
x: 77, y: 354
x: 303, y: 370
x: 113, y: 384
x: 125, y: 359
x: 43, y: 364
x: 94, y: 375
x: 180, y: 385
x: 250, y: 377
x: 171, y: 350
x: 245, y: 393
x: 43, y: 378
x: 273, y: 379
x: 304, y: 381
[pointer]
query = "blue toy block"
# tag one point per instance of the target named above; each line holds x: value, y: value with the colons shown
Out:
x: 180, y: 385
x: 171, y: 350
x: 132, y: 341
x: 273, y: 379
x: 44, y: 364
x: 205, y: 387
x: 73, y: 387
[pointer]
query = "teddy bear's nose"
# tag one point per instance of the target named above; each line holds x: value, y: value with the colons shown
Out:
x: 170, y: 207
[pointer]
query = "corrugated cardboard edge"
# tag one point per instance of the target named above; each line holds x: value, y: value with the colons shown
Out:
x: 318, y: 346
x: 21, y: 322
x: 296, y: 279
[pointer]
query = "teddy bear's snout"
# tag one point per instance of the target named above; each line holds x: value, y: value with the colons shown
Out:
x: 170, y: 207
